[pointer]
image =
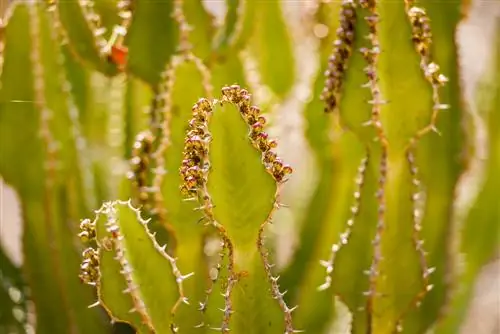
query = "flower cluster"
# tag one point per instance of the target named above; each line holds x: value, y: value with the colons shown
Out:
x: 87, y: 231
x: 195, y: 164
x: 422, y: 39
x: 89, y: 269
x: 342, y: 50
x: 140, y: 162
x: 260, y: 140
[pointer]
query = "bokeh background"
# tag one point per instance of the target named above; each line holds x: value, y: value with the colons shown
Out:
x: 475, y: 38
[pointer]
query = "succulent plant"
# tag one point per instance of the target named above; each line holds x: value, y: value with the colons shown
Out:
x: 147, y: 171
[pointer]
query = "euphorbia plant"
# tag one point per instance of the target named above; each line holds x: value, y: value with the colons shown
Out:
x: 192, y: 189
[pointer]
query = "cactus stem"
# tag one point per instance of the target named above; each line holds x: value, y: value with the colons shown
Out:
x: 338, y: 61
x: 175, y: 270
x: 185, y: 46
x: 370, y: 54
x: 426, y: 271
x: 164, y: 100
x: 50, y: 147
x: 275, y: 167
x: 194, y: 171
x: 165, y: 96
x: 345, y: 235
x: 114, y: 243
x: 57, y: 34
x: 110, y: 211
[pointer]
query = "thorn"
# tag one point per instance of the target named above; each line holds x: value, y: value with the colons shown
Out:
x: 129, y: 289
x: 435, y: 130
x: 185, y: 300
x: 132, y: 310
x: 324, y: 286
x: 442, y: 106
x: 429, y: 271
x: 97, y: 303
x: 290, y: 310
x: 200, y: 325
x: 183, y: 277
x: 324, y: 263
x: 163, y: 247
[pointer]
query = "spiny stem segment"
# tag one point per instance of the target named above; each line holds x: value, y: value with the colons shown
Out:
x: 194, y: 172
x: 50, y: 146
x: 338, y: 61
x: 58, y: 35
x: 148, y: 181
x: 346, y: 234
x: 274, y: 165
x: 161, y: 114
x: 113, y: 49
x: 417, y: 212
x: 422, y: 40
x: 114, y: 241
x: 113, y: 229
x: 370, y: 54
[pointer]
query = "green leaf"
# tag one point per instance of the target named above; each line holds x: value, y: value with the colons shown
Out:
x: 153, y: 35
x: 81, y: 34
x: 271, y: 45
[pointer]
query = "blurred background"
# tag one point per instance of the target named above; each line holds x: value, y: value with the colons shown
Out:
x: 475, y: 39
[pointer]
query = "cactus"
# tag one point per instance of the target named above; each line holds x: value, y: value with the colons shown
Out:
x: 145, y: 107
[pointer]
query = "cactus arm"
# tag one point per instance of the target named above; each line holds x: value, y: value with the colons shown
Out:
x: 137, y: 97
x: 87, y: 37
x: 202, y: 25
x: 271, y: 46
x: 152, y: 23
x: 226, y: 33
x: 50, y: 146
x: 124, y: 233
x: 479, y: 235
x: 240, y: 222
x: 185, y: 85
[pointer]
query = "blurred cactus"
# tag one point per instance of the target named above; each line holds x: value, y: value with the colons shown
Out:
x: 134, y: 104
